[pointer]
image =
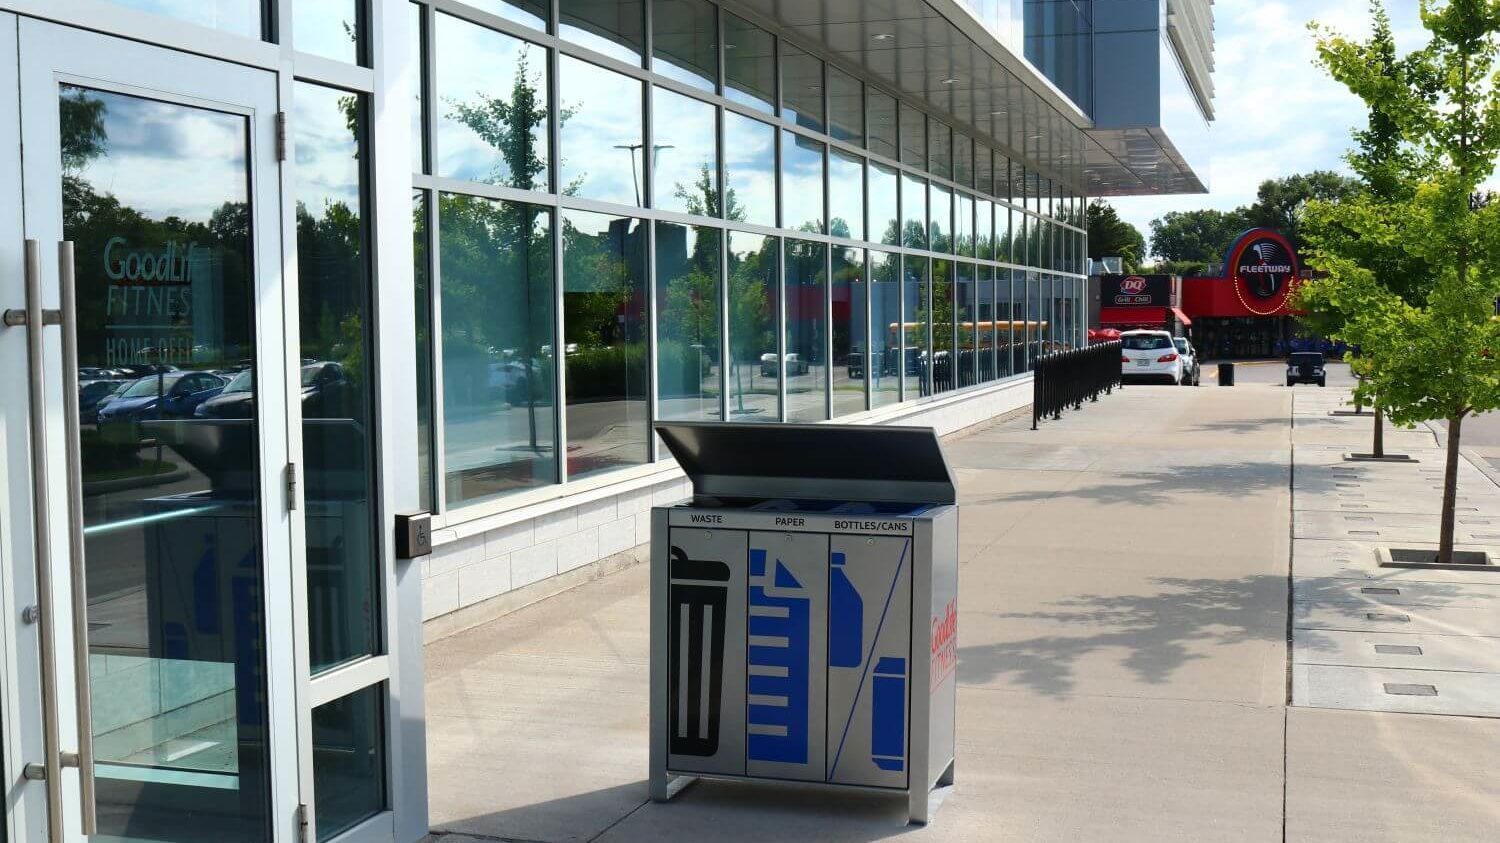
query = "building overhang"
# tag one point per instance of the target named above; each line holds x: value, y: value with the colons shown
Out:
x: 938, y: 55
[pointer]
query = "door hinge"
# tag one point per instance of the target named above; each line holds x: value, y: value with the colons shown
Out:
x: 291, y: 485
x: 281, y: 136
x: 304, y: 830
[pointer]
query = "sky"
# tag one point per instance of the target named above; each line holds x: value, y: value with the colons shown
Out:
x: 1278, y: 113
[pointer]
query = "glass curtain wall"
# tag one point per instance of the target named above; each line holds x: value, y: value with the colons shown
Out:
x: 666, y: 211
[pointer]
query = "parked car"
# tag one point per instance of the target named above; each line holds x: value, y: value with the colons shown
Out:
x: 795, y: 365
x: 1192, y: 372
x: 236, y: 401
x: 1150, y: 355
x: 92, y: 395
x: 169, y: 395
x: 1306, y: 367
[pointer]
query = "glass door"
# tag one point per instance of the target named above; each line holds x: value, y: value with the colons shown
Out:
x: 149, y: 414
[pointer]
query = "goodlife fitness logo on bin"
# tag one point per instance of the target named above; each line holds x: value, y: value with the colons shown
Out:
x: 944, y: 644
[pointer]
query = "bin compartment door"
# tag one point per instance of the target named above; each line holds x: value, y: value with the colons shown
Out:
x: 706, y: 681
x: 786, y: 667
x: 869, y: 660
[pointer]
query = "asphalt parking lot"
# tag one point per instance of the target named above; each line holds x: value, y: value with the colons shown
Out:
x: 1273, y: 373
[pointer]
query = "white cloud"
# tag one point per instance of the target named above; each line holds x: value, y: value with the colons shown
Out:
x: 1278, y: 113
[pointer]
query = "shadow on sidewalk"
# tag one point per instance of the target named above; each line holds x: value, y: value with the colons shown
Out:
x: 1159, y: 633
x: 708, y: 810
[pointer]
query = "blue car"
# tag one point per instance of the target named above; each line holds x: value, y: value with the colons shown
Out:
x: 170, y: 395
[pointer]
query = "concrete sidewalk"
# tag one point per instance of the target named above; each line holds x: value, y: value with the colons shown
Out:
x: 1123, y: 670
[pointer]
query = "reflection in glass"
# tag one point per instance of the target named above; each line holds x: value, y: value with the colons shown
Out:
x: 600, y: 145
x: 1018, y: 254
x: 685, y: 175
x: 940, y: 149
x: 885, y: 219
x: 882, y: 124
x: 849, y: 296
x: 914, y: 207
x: 1036, y: 325
x: 963, y: 159
x: 801, y: 183
x: 846, y: 107
x: 944, y: 364
x: 986, y: 326
x: 916, y: 332
x: 984, y: 170
x: 846, y: 195
x: 886, y: 362
x: 940, y: 214
x: 749, y: 170
x: 348, y: 760
x: 688, y: 382
x: 154, y: 195
x: 497, y: 312
x: 422, y: 284
x: 237, y: 17
x: 1003, y: 216
x: 984, y: 230
x: 686, y: 42
x: 749, y: 64
x: 806, y: 368
x: 334, y: 306
x: 754, y: 367
x: 328, y: 28
x: 965, y: 294
x: 963, y: 225
x: 913, y: 136
x: 491, y: 92
x: 801, y: 88
x: 532, y: 13
x: 615, y: 28
x: 1005, y: 313
x: 604, y: 341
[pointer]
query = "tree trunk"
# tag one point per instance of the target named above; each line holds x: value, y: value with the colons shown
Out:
x: 1379, y: 449
x: 1450, y: 491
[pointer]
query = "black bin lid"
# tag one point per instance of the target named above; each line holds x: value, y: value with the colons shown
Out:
x: 824, y: 462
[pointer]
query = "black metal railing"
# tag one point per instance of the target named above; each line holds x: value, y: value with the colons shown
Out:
x: 1067, y: 378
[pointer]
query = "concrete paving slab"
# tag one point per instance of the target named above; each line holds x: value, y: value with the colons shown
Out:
x: 1354, y: 777
x: 1335, y: 590
x: 1390, y: 689
x: 1410, y: 619
x: 1397, y: 650
x: 1385, y: 527
x: 1357, y: 560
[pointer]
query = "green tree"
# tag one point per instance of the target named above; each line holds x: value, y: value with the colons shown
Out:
x: 1387, y: 168
x: 1201, y: 236
x: 1109, y: 236
x: 1279, y: 202
x: 1432, y: 352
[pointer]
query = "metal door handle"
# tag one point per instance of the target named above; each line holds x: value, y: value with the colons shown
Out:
x: 78, y: 574
x: 33, y: 317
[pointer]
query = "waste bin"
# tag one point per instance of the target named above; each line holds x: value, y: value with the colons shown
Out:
x: 804, y: 610
x: 1226, y: 374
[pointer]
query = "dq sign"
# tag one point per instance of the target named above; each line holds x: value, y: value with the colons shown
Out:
x: 1137, y: 290
x: 1263, y: 268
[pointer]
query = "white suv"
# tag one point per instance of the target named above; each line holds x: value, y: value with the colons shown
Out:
x: 1150, y: 355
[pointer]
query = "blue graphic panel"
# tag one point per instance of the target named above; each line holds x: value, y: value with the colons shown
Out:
x: 888, y: 718
x: 780, y: 612
x: 846, y: 617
